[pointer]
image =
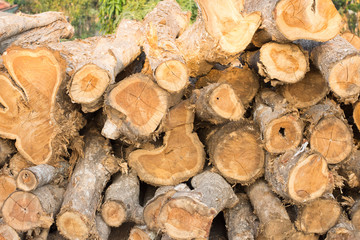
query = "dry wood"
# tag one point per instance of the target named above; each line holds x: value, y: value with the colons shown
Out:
x: 221, y: 31
x: 134, y: 108
x: 261, y: 37
x: 356, y: 115
x: 280, y: 125
x: 211, y: 194
x: 24, y: 210
x: 142, y: 233
x: 352, y: 38
x: 35, y: 103
x: 350, y: 169
x: 235, y: 150
x: 103, y: 230
x: 7, y: 149
x: 288, y: 20
x: 181, y: 156
x: 7, y: 232
x: 17, y: 163
x: 343, y: 230
x: 355, y: 215
x: 7, y: 186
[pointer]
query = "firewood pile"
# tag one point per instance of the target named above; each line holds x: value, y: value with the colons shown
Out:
x: 241, y: 125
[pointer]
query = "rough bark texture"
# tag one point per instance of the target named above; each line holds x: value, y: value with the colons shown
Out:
x: 350, y: 169
x: 343, y: 230
x: 261, y: 37
x: 17, y: 163
x: 34, y: 177
x: 355, y: 215
x: 7, y: 149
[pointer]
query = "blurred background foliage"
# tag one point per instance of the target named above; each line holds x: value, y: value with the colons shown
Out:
x: 95, y: 17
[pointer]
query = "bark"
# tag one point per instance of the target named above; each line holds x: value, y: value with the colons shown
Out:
x: 356, y: 115
x: 7, y: 149
x: 22, y: 29
x: 352, y: 38
x: 241, y: 222
x: 103, y: 230
x: 24, y: 211
x: 7, y: 187
x: 350, y: 169
x: 235, y: 150
x: 211, y: 194
x: 280, y: 124
x: 182, y: 155
x: 37, y: 109
x: 355, y: 215
x: 343, y: 230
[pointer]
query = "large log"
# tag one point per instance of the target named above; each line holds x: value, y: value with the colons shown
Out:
x: 7, y: 187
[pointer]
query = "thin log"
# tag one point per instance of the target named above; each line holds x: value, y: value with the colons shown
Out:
x: 355, y: 215
x: 350, y: 169
x: 103, y: 230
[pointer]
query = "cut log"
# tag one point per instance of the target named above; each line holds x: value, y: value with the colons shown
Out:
x: 222, y: 30
x: 121, y: 203
x: 243, y: 81
x: 279, y: 62
x: 181, y: 156
x: 7, y: 187
x: 299, y: 175
x: 261, y: 37
x: 355, y: 215
x: 24, y: 210
x: 352, y: 38
x: 22, y: 29
x: 36, y: 109
x: 280, y: 124
x: 142, y: 233
x: 134, y: 108
x: 287, y: 20
x: 235, y: 150
x: 307, y: 92
x: 76, y: 219
x: 162, y: 26
x: 356, y: 115
x: 328, y: 131
x: 241, y: 222
x: 7, y: 149
x: 218, y: 103
x: 17, y: 163
x: 350, y: 169
x: 211, y: 195
x: 8, y: 233
x: 343, y: 230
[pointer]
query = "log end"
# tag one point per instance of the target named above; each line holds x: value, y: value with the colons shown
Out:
x: 72, y: 225
x: 113, y: 213
x: 356, y: 115
x: 8, y: 233
x: 172, y: 76
x: 26, y: 180
x: 7, y: 186
x: 352, y: 38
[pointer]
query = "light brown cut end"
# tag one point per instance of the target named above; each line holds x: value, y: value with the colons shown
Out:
x: 88, y: 84
x: 307, y: 92
x: 72, y: 226
x: 332, y: 138
x: 26, y: 180
x: 8, y: 233
x: 172, y: 76
x: 7, y: 186
x: 18, y: 163
x: 141, y: 233
x: 356, y: 115
x: 344, y: 77
x: 283, y: 134
x: 113, y: 213
x: 284, y: 62
x: 186, y: 218
x: 316, y: 20
x: 309, y: 179
x: 352, y: 38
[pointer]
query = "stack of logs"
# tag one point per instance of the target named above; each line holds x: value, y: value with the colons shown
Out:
x: 238, y: 126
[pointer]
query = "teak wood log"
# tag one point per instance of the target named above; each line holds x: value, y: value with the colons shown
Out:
x: 280, y: 124
x: 24, y: 211
x: 352, y: 38
x: 181, y: 156
x: 328, y: 131
x: 211, y: 194
x: 221, y: 31
x: 7, y: 187
x: 7, y: 149
x: 279, y: 62
x: 343, y: 230
x: 142, y: 233
x: 22, y: 29
x: 134, y: 108
x: 35, y: 108
x: 235, y: 150
x: 241, y: 222
x: 121, y: 202
x: 290, y: 20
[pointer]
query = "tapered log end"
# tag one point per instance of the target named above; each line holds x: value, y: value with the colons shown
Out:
x: 172, y: 76
x: 72, y: 226
x: 113, y: 213
x: 26, y: 180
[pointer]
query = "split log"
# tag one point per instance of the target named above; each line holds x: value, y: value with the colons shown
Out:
x: 17, y: 163
x: 352, y: 38
x: 328, y: 131
x: 287, y: 20
x: 162, y: 26
x: 211, y: 194
x: 300, y: 175
x: 355, y: 215
x: 24, y: 210
x: 235, y: 150
x: 221, y: 31
x: 307, y: 92
x: 350, y: 169
x: 36, y: 108
x: 181, y: 156
x: 7, y: 149
x: 121, y: 202
x: 343, y: 230
x: 134, y: 108
x: 279, y: 62
x: 243, y: 81
x: 22, y: 29
x: 141, y: 233
x: 241, y: 222
x: 7, y: 187
x: 76, y: 219
x: 280, y: 124
x: 7, y: 232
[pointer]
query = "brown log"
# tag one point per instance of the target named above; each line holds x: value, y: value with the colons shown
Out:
x: 134, y: 108
x: 121, y: 202
x: 7, y: 149
x: 241, y: 222
x: 7, y: 186
x: 17, y: 163
x: 350, y: 169
x: 22, y: 29
x: 287, y: 20
x: 243, y: 81
x: 211, y: 194
x: 328, y: 131
x: 181, y: 156
x: 221, y: 31
x: 307, y: 92
x: 356, y: 115
x: 280, y: 124
x: 24, y: 210
x: 235, y: 150
x: 352, y: 38
x: 142, y: 233
x: 261, y: 37
x: 37, y: 109
x: 343, y: 230
x: 7, y: 232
